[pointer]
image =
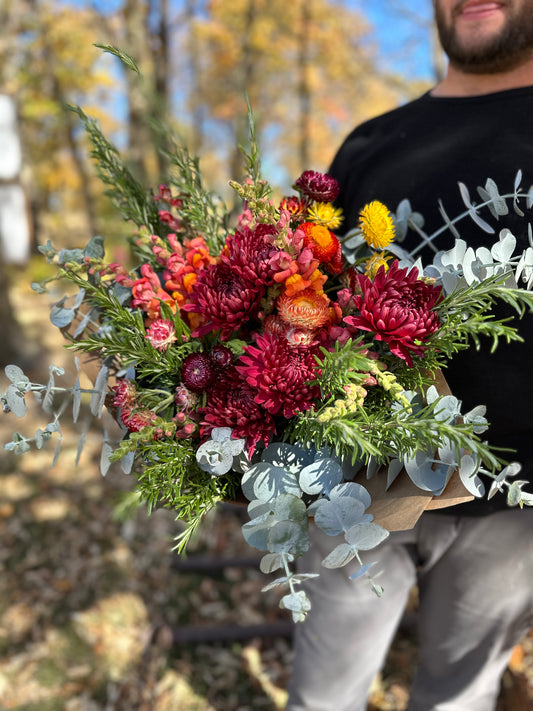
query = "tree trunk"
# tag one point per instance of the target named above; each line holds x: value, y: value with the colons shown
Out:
x: 12, y: 341
x: 140, y: 150
x: 193, y: 66
x: 83, y: 174
x: 304, y: 90
x: 248, y: 69
x: 161, y: 99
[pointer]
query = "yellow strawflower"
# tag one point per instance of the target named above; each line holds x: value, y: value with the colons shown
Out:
x: 376, y: 225
x: 374, y: 262
x: 324, y: 213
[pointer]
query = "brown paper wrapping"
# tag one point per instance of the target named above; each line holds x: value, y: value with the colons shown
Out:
x: 399, y: 507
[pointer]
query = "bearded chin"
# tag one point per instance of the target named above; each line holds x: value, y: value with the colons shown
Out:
x: 501, y: 53
x: 490, y: 61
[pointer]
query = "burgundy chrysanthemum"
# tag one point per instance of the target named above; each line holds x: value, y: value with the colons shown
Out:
x: 250, y: 251
x: 231, y: 403
x: 225, y: 298
x: 320, y: 187
x: 397, y: 307
x: 280, y: 374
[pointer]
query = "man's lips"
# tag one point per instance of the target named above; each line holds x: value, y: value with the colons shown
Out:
x: 475, y: 10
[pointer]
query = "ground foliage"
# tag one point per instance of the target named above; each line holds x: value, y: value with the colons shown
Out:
x: 88, y: 603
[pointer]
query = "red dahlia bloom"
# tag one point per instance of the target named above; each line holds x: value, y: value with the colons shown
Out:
x: 224, y: 298
x: 280, y: 374
x: 320, y: 187
x: 397, y: 307
x: 251, y: 251
x: 231, y: 403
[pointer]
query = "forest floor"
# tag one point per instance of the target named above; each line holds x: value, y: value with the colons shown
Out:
x: 97, y: 613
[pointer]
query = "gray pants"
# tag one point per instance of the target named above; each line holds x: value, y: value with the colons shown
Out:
x: 475, y: 578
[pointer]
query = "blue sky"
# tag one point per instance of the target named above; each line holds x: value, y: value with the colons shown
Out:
x: 400, y: 28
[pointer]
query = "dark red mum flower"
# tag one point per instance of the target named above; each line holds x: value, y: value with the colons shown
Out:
x: 320, y: 187
x: 251, y: 250
x: 280, y: 374
x: 231, y: 403
x: 225, y: 298
x: 397, y: 307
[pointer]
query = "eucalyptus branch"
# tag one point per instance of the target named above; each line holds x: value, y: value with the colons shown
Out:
x: 428, y: 239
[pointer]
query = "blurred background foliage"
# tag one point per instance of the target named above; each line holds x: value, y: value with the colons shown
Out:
x: 311, y: 68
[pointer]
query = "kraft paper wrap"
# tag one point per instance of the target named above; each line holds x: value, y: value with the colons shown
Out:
x: 400, y: 506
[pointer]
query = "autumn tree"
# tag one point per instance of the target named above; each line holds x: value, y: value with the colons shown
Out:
x: 53, y: 63
x: 309, y: 69
x: 141, y: 29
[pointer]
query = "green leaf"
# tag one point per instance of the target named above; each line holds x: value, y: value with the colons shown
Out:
x: 95, y: 248
x: 124, y: 57
x: 271, y: 562
x: 15, y: 401
x: 100, y: 391
x: 365, y: 536
x: 334, y: 517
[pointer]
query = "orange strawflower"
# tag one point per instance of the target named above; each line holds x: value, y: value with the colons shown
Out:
x: 321, y: 241
x: 305, y: 309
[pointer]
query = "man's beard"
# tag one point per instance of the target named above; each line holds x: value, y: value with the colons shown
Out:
x: 500, y: 53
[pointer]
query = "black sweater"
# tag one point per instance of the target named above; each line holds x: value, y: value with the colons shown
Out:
x: 421, y: 151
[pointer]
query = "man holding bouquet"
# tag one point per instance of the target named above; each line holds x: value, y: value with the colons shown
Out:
x: 473, y: 563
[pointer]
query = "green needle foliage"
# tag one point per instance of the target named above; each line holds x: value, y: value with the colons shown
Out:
x: 125, y: 192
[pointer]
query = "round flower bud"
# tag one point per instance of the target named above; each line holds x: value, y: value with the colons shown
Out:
x: 197, y: 372
x: 221, y: 356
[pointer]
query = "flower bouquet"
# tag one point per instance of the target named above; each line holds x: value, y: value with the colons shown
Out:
x: 270, y: 362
